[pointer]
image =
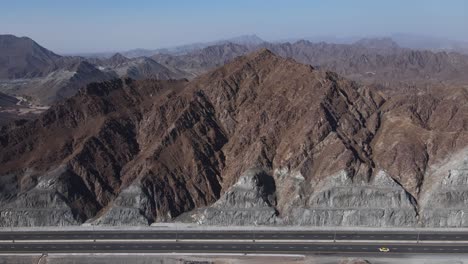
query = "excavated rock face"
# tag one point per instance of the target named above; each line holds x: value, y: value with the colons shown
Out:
x: 262, y: 140
x: 250, y: 200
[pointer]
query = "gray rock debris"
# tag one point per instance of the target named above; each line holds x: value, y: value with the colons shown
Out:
x: 337, y: 202
x: 127, y: 209
x: 445, y: 203
x: 341, y: 202
x: 42, y: 205
x: 250, y: 201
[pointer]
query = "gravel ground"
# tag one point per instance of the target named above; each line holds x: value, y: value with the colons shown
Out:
x: 224, y: 259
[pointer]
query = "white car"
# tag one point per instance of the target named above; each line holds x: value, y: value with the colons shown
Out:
x: 384, y: 249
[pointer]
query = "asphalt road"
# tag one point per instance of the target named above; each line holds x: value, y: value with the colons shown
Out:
x: 205, y: 247
x: 284, y: 242
x: 236, y: 235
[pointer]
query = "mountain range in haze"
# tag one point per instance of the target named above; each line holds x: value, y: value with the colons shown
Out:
x: 411, y: 41
x: 42, y: 77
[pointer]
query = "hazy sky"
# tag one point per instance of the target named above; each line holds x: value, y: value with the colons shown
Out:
x: 66, y: 26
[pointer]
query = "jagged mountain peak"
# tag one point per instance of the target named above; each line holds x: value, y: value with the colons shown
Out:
x: 259, y: 63
x: 118, y: 58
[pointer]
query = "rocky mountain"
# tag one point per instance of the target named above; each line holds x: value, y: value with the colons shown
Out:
x: 372, y: 61
x: 201, y: 61
x: 72, y: 74
x: 261, y: 140
x: 24, y: 58
x: 247, y: 40
x: 43, y: 77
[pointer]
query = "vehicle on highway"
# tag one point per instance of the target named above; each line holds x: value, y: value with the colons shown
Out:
x: 384, y: 249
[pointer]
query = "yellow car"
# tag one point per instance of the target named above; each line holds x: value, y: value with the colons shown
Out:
x: 384, y: 249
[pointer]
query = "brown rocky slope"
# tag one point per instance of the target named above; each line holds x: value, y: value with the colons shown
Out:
x: 261, y: 140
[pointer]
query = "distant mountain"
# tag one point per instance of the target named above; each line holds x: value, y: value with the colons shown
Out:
x: 61, y: 83
x: 430, y: 43
x: 382, y: 45
x: 200, y: 61
x: 373, y: 61
x: 116, y: 60
x: 30, y: 70
x: 24, y: 58
x: 137, y: 68
x: 44, y: 77
x: 248, y: 40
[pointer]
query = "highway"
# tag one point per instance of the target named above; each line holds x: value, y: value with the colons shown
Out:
x: 267, y: 235
x: 281, y: 242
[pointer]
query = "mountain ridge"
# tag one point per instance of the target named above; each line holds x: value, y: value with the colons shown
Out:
x: 260, y: 140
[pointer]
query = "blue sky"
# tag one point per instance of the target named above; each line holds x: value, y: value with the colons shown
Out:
x: 111, y: 25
